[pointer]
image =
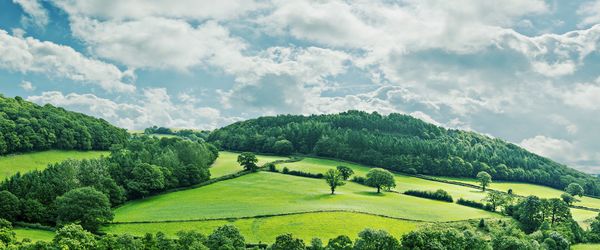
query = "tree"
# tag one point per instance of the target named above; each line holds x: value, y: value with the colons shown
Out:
x: 557, y: 210
x: 190, y: 240
x: 595, y: 228
x: 341, y: 242
x: 568, y: 198
x: 248, y: 161
x: 316, y: 244
x: 370, y: 239
x: 73, y: 236
x: 346, y: 172
x: 226, y: 237
x: 9, y: 206
x: 574, y: 189
x: 530, y: 213
x: 380, y: 178
x: 334, y: 179
x: 7, y: 235
x: 495, y: 199
x: 84, y: 205
x: 484, y: 179
x: 288, y: 242
x: 145, y: 178
x: 283, y: 147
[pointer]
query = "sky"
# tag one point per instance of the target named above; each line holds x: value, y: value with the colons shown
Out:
x: 526, y: 71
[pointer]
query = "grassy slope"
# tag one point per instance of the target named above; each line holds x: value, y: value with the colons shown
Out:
x: 11, y: 164
x: 269, y: 193
x: 227, y: 163
x: 585, y: 247
x: 305, y: 226
x: 34, y: 234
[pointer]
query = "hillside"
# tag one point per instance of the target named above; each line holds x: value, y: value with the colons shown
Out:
x: 400, y: 143
x: 25, y: 126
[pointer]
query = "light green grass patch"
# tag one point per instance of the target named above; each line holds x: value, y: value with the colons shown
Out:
x: 33, y: 234
x: 585, y: 247
x: 526, y: 189
x: 227, y: 163
x: 11, y: 164
x: 266, y: 193
x: 324, y: 225
x: 403, y: 182
x: 583, y: 217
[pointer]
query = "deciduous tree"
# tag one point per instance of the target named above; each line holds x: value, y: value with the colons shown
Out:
x: 380, y: 178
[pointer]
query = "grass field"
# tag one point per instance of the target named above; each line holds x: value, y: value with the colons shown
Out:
x: 526, y: 189
x: 33, y: 234
x: 227, y: 163
x: 325, y: 225
x: 266, y: 193
x: 403, y: 182
x: 11, y: 164
x: 585, y: 247
x: 583, y: 217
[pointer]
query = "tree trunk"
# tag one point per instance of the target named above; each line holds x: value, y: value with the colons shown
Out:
x: 332, y: 190
x: 378, y: 189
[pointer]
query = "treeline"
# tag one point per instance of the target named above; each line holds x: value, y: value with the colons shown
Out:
x: 401, y: 143
x: 143, y: 166
x: 193, y: 135
x: 25, y: 126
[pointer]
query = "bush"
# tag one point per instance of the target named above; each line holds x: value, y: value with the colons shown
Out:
x: 470, y: 203
x: 359, y: 179
x: 303, y: 174
x: 437, y: 195
x: 271, y: 167
x: 411, y: 171
x: 286, y: 170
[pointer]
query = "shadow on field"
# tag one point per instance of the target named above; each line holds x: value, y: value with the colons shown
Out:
x: 369, y: 193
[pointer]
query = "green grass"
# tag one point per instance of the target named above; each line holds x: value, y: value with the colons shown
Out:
x: 33, y: 234
x: 583, y: 217
x: 266, y: 193
x: 324, y: 225
x: 11, y: 164
x: 403, y: 182
x: 526, y: 189
x: 585, y: 247
x: 227, y: 163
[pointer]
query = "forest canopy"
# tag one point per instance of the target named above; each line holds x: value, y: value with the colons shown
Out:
x: 400, y: 143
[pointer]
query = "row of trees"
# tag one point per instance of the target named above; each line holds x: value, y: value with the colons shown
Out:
x: 25, y: 126
x: 400, y: 143
x: 85, y: 190
x: 191, y: 134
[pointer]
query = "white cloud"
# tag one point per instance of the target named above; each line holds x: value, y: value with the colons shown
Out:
x: 153, y: 107
x: 556, y: 69
x: 590, y: 11
x: 557, y: 149
x: 27, y: 86
x: 27, y: 55
x: 38, y: 15
x: 583, y: 95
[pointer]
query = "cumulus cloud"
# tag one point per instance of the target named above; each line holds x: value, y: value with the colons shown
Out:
x: 583, y: 95
x: 27, y: 86
x: 37, y: 14
x: 550, y: 147
x: 27, y: 55
x: 153, y: 107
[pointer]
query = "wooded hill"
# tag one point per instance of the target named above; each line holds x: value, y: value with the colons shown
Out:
x: 400, y: 143
x: 25, y: 126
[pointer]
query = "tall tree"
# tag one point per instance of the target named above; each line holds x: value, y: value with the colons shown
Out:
x: 380, y: 178
x: 248, y: 160
x: 574, y: 189
x: 557, y: 210
x: 334, y: 179
x: 345, y: 171
x: 484, y: 179
x: 84, y: 205
x: 9, y: 206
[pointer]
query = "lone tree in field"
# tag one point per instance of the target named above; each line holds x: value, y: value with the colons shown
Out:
x: 484, y: 179
x: 334, y: 179
x: 380, y: 178
x: 346, y: 172
x: 85, y: 205
x: 248, y: 161
x: 568, y: 198
x: 574, y: 189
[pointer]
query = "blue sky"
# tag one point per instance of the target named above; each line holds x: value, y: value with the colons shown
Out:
x: 522, y: 70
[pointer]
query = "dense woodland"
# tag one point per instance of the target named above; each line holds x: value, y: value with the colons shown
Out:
x: 25, y: 126
x: 191, y: 134
x: 401, y: 143
x: 140, y: 167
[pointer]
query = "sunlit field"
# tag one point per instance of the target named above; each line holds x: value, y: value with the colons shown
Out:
x: 11, y: 164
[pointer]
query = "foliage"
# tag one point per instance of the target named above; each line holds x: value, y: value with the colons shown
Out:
x: 194, y: 135
x: 400, y: 142
x: 9, y: 206
x: 25, y: 126
x: 283, y: 147
x: 248, y: 161
x: 446, y: 238
x: 334, y: 179
x: 532, y: 212
x: 288, y: 242
x: 435, y: 195
x: 370, y: 239
x: 84, y: 205
x: 226, y: 237
x: 302, y: 173
x: 496, y: 199
x: 574, y: 189
x: 484, y: 179
x: 341, y: 242
x: 380, y: 178
x: 74, y: 237
x: 346, y: 172
x: 470, y: 203
x: 568, y: 198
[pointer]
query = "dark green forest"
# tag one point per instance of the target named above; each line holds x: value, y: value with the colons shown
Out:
x: 400, y: 143
x: 25, y: 126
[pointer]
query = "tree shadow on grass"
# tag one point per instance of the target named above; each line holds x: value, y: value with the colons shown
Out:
x: 320, y: 196
x: 369, y: 193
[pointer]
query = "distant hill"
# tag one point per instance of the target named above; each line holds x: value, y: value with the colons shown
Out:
x: 401, y: 143
x: 25, y: 126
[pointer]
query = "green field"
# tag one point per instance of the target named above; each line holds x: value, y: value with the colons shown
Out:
x: 526, y: 189
x: 403, y: 182
x: 585, y: 247
x: 227, y: 163
x: 583, y: 217
x: 266, y: 193
x: 11, y: 164
x: 33, y: 234
x: 326, y: 225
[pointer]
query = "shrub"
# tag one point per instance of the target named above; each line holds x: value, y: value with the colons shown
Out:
x: 303, y: 174
x: 437, y: 195
x: 286, y: 170
x: 271, y: 167
x: 359, y: 179
x: 470, y: 203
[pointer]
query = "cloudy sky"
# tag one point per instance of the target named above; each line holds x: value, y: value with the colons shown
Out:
x: 527, y: 71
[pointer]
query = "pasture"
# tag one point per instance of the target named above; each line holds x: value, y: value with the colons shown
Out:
x: 585, y: 247
x: 11, y: 164
x: 266, y: 193
x: 227, y: 163
x: 33, y: 234
x: 325, y: 225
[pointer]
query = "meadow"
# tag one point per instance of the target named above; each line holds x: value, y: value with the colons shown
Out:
x: 585, y: 247
x: 11, y: 164
x: 33, y: 234
x: 326, y: 225
x: 227, y: 163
